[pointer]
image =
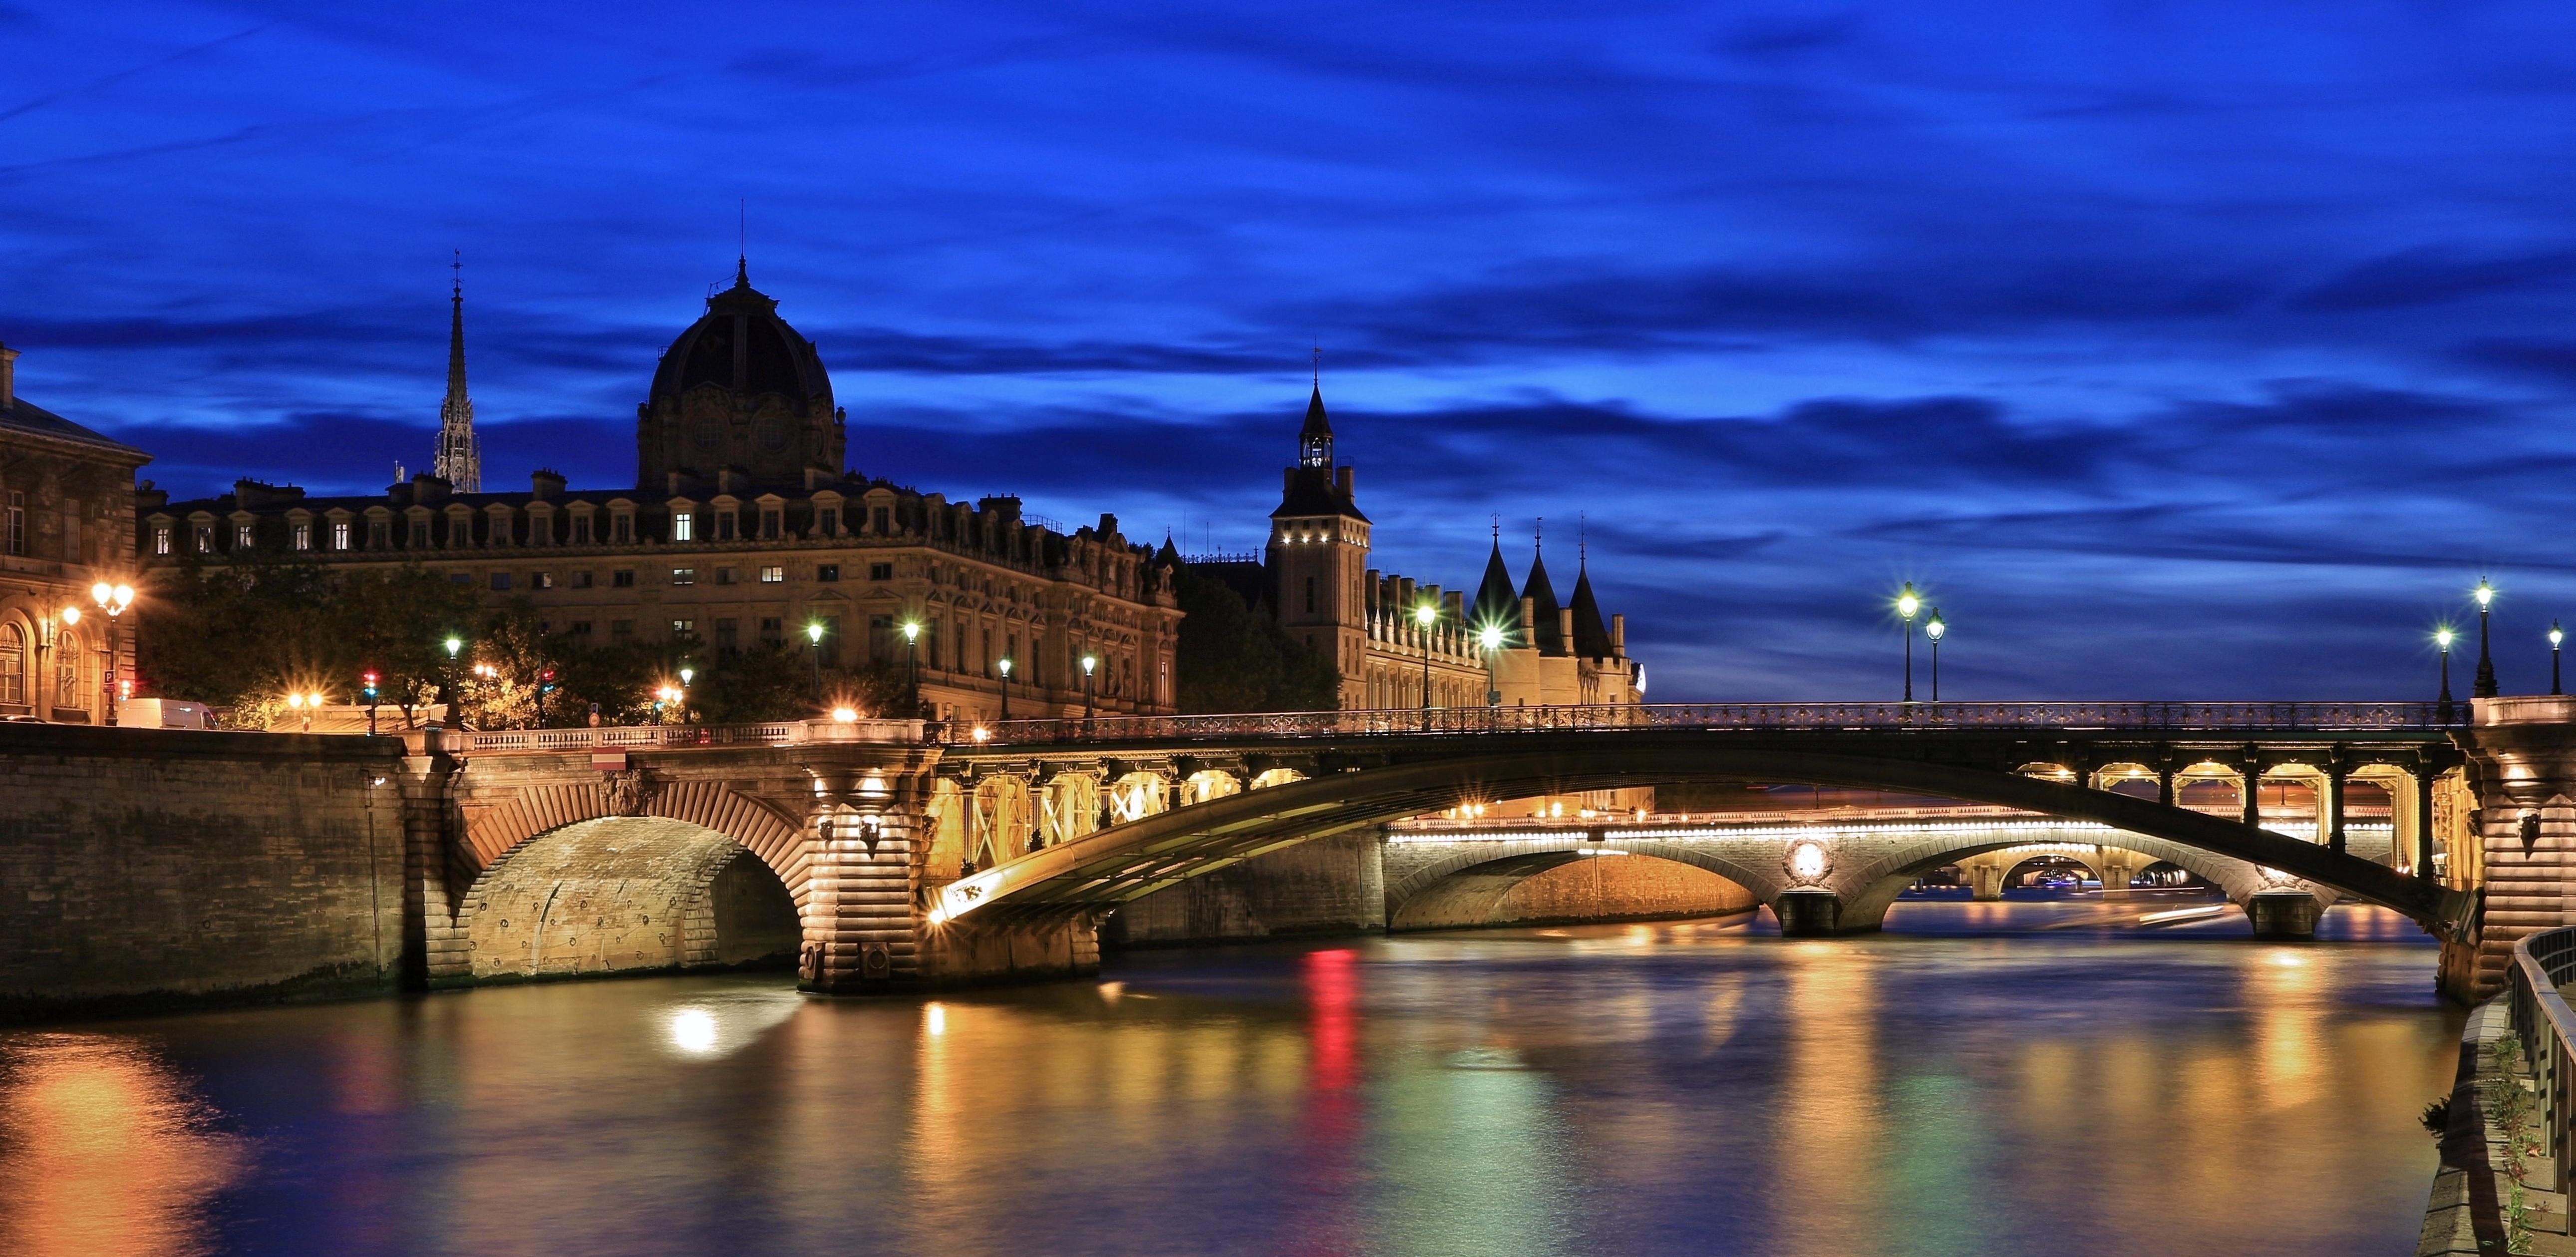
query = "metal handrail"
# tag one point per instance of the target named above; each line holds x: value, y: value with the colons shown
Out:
x: 2175, y: 717
x: 2542, y: 1020
x: 674, y: 737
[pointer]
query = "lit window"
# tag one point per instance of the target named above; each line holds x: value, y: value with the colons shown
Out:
x: 684, y: 576
x: 340, y: 535
x: 303, y: 536
x: 205, y: 539
x: 545, y: 580
x: 684, y: 628
x: 243, y: 537
x: 684, y: 526
x: 161, y: 539
x: 772, y: 575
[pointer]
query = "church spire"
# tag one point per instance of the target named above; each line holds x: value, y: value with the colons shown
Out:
x: 459, y: 462
x: 1315, y: 440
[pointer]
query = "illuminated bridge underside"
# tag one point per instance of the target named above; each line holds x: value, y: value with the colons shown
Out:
x: 1101, y: 870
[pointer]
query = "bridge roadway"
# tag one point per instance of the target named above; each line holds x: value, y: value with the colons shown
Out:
x: 922, y: 856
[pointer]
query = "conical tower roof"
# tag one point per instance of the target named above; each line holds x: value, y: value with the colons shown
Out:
x: 1318, y: 427
x: 1495, y: 602
x: 1543, y: 629
x: 1591, y: 636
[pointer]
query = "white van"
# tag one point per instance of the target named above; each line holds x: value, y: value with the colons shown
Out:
x: 163, y: 713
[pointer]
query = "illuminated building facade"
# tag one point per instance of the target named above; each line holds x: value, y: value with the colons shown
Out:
x: 65, y: 528
x: 744, y: 529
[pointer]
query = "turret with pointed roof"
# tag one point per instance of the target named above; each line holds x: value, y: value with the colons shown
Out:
x: 1495, y: 603
x: 1545, y: 633
x: 459, y: 460
x: 1591, y: 635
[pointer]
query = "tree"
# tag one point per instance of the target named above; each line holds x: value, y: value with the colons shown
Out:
x: 246, y: 632
x: 1232, y: 660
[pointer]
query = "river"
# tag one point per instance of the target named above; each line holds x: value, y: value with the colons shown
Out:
x: 2018, y: 1078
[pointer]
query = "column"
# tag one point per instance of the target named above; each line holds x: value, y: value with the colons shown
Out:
x: 2424, y: 818
x: 2253, y: 789
x: 2330, y: 801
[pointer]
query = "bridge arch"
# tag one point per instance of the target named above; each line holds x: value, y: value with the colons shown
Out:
x: 1872, y: 888
x: 625, y: 894
x: 1465, y: 882
x: 627, y: 873
x: 1136, y: 858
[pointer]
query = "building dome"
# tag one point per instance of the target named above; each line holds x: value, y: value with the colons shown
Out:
x: 738, y: 390
x: 742, y: 346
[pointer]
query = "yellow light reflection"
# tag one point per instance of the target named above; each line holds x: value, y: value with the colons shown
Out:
x: 103, y: 1151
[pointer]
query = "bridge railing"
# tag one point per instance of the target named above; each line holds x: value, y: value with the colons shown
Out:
x: 2542, y: 963
x: 2144, y: 717
x: 674, y: 737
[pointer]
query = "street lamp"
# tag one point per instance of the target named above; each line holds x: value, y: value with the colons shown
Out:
x: 1491, y: 638
x: 2442, y: 638
x: 814, y: 634
x: 687, y: 675
x: 1089, y: 662
x: 1907, y: 603
x: 112, y: 599
x: 1005, y: 665
x: 1934, y: 630
x: 2485, y: 686
x: 912, y: 662
x: 1426, y: 615
x: 2556, y: 635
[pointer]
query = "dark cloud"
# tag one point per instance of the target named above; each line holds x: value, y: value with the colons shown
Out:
x: 2429, y: 276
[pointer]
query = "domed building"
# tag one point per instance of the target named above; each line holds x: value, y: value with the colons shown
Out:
x: 739, y: 390
x: 745, y: 529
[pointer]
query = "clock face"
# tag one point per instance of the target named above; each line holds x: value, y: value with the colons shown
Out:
x: 772, y: 436
x: 708, y: 433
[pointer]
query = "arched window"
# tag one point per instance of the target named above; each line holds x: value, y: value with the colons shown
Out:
x: 13, y: 665
x: 67, y: 669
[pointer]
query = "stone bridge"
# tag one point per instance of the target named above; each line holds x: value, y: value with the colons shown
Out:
x: 888, y: 856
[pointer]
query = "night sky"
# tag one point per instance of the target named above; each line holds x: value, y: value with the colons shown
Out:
x: 2177, y: 350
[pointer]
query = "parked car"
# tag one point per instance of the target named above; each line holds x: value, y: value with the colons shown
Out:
x: 163, y: 713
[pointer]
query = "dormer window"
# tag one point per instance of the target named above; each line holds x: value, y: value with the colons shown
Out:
x: 161, y: 540
x: 303, y: 534
x: 622, y: 529
x: 340, y: 534
x: 581, y: 530
x: 684, y: 526
x: 245, y: 536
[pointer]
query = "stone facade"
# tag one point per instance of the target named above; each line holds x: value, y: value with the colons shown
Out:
x: 148, y: 864
x: 64, y: 527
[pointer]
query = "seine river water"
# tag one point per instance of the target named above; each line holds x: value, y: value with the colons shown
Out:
x: 1984, y: 1079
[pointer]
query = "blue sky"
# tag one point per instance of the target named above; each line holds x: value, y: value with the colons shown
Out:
x: 2178, y: 350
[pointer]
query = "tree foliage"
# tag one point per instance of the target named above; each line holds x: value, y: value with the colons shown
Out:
x: 1233, y: 659
x: 243, y: 635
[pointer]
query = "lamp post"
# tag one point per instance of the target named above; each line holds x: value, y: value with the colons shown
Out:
x: 1934, y: 629
x: 1907, y: 603
x: 1426, y: 615
x: 1005, y: 665
x: 112, y: 599
x: 1491, y: 638
x: 446, y: 693
x: 687, y: 675
x: 2556, y: 635
x: 912, y: 664
x: 2485, y: 685
x: 814, y: 634
x: 1089, y: 662
x: 2442, y: 638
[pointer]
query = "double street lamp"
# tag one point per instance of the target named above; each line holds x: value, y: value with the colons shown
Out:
x: 112, y: 599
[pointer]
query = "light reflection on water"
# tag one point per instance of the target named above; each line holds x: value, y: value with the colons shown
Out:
x: 1632, y: 1089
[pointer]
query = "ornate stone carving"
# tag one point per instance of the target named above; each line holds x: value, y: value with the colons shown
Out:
x: 628, y: 793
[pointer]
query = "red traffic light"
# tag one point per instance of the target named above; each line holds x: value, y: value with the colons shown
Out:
x: 547, y: 675
x: 371, y: 677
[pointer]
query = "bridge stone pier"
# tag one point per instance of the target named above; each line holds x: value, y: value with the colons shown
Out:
x: 2522, y: 856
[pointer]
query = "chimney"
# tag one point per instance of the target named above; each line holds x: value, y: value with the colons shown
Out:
x: 8, y: 378
x: 1108, y: 526
x: 545, y: 486
x: 1619, y: 636
x: 1287, y: 479
x: 427, y: 489
x: 1529, y: 620
x: 819, y: 477
x: 1565, y: 627
x: 1344, y: 480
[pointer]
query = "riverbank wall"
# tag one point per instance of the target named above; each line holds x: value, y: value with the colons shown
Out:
x: 162, y: 869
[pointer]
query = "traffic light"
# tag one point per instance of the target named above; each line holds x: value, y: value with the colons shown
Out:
x: 371, y: 685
